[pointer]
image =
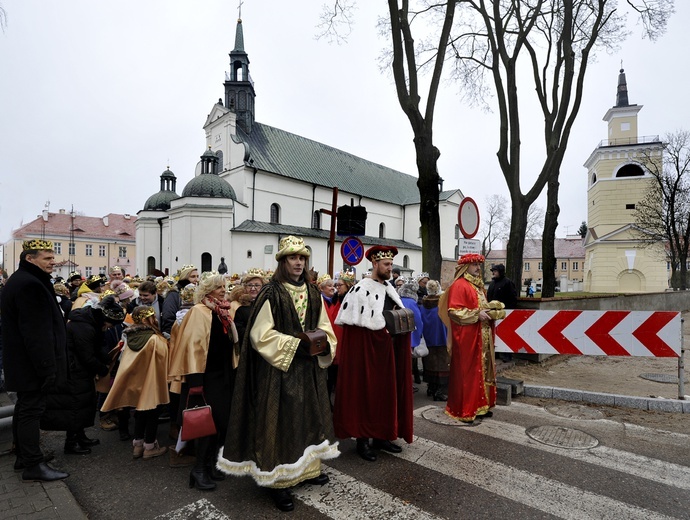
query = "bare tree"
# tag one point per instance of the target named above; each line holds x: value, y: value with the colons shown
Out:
x: 554, y: 40
x: 492, y: 45
x: 495, y: 222
x: 663, y: 215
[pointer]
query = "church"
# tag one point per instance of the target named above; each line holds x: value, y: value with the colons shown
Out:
x: 616, y: 258
x: 256, y: 184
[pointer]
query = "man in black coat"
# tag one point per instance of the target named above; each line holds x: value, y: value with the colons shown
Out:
x: 501, y: 288
x: 35, y: 355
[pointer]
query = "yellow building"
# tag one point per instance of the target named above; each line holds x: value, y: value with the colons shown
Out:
x: 616, y: 260
x: 87, y: 245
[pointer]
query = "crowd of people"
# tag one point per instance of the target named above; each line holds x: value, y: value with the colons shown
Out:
x: 288, y: 361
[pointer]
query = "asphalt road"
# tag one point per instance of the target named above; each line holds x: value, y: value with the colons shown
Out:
x: 583, y: 465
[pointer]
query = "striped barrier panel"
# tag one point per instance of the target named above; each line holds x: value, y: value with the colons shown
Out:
x: 592, y: 333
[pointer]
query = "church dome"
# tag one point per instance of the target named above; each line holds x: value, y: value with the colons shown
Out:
x: 161, y: 201
x: 209, y: 185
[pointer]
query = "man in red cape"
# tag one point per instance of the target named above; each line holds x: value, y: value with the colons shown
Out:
x: 373, y: 396
x: 470, y: 319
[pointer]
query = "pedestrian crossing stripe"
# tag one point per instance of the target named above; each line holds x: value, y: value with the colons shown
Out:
x: 660, y: 471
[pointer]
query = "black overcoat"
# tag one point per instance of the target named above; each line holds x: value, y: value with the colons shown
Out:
x: 33, y: 331
x: 73, y: 405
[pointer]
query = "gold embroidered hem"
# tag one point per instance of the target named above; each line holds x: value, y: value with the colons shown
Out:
x: 285, y: 475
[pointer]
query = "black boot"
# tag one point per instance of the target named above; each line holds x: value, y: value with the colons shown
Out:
x: 84, y: 441
x: 211, y: 470
x: 72, y: 446
x: 430, y: 389
x: 199, y: 476
x: 42, y: 473
x: 282, y: 499
x: 364, y: 450
x: 441, y: 393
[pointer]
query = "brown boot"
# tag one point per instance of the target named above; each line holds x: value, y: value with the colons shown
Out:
x: 179, y: 459
x: 153, y: 450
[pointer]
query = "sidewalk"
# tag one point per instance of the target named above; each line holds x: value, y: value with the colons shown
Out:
x: 35, y: 500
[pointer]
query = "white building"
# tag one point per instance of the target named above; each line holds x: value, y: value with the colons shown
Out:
x: 256, y: 183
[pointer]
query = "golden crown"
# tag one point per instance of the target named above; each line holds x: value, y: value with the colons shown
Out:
x: 254, y: 272
x: 347, y: 277
x: 292, y: 245
x: 37, y: 244
x: 187, y: 266
x: 108, y: 292
x: 323, y: 278
x: 115, y: 269
x: 382, y: 254
x: 141, y: 313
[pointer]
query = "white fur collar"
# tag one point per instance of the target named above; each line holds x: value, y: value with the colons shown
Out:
x: 363, y: 304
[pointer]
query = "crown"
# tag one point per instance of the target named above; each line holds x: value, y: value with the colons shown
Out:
x: 347, y: 276
x: 115, y: 269
x: 141, y: 313
x: 108, y: 292
x: 292, y: 245
x: 323, y: 278
x: 95, y: 278
x: 208, y: 274
x: 254, y: 272
x: 421, y: 276
x: 187, y: 266
x: 37, y: 244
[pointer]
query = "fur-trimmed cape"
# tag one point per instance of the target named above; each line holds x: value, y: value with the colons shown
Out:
x: 363, y: 304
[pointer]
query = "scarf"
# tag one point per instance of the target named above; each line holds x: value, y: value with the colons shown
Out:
x: 220, y: 308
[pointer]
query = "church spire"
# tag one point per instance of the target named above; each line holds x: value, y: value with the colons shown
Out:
x: 622, y: 92
x: 239, y: 87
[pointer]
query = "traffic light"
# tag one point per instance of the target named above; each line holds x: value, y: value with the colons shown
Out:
x: 351, y: 221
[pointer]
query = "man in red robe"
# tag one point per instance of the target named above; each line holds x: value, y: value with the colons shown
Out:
x: 470, y: 319
x: 373, y: 396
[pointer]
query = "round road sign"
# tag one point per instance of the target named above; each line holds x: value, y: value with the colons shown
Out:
x: 352, y: 250
x: 468, y: 217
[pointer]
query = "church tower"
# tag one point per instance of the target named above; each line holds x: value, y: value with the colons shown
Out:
x: 616, y: 259
x: 239, y: 87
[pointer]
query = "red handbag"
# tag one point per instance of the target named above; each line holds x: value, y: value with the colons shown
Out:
x: 197, y: 422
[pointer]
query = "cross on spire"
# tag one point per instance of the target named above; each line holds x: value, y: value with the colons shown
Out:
x: 239, y: 8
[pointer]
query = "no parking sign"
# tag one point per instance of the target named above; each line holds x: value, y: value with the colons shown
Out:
x: 352, y: 250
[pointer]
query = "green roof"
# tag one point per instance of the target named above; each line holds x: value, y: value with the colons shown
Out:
x: 254, y: 226
x: 290, y: 155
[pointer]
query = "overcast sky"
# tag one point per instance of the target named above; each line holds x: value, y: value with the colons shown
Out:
x: 99, y: 97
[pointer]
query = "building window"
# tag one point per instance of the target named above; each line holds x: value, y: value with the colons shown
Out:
x: 457, y: 232
x: 382, y: 230
x: 206, y: 262
x: 630, y: 206
x: 576, y: 266
x: 89, y: 250
x: 406, y: 262
x: 275, y: 213
x: 72, y: 249
x: 101, y: 270
x: 526, y: 268
x: 57, y: 247
x: 249, y: 253
x: 541, y: 265
x: 564, y: 266
x: 88, y: 271
x: 122, y: 251
x: 316, y: 220
x: 101, y: 251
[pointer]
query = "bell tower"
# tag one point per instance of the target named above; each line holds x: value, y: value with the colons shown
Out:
x: 239, y: 87
x: 617, y: 258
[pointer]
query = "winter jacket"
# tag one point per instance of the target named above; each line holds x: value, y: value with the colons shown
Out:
x: 33, y: 332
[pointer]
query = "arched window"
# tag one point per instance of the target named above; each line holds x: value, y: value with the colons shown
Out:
x: 630, y: 170
x: 382, y: 230
x: 275, y: 213
x: 316, y: 220
x: 150, y: 264
x: 206, y: 262
x: 219, y: 154
x: 406, y: 262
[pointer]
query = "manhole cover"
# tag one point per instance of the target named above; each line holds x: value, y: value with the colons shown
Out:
x: 661, y: 378
x: 561, y: 437
x: 438, y: 416
x: 575, y: 411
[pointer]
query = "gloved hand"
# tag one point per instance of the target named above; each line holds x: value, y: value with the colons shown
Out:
x: 48, y: 384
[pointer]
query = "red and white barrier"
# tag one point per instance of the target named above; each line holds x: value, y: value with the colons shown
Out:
x: 593, y: 333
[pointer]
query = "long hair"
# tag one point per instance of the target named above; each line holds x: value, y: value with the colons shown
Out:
x: 282, y: 275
